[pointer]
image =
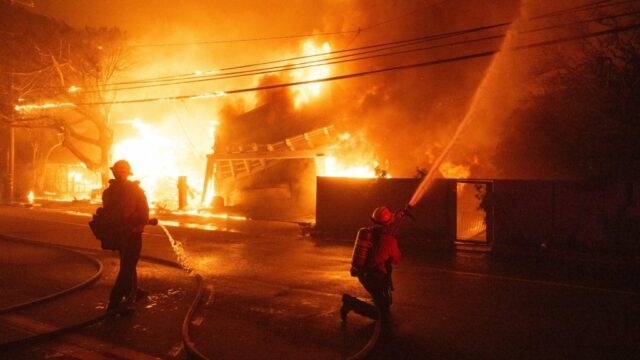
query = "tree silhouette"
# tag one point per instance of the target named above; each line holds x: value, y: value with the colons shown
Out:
x: 45, y: 61
x: 583, y: 119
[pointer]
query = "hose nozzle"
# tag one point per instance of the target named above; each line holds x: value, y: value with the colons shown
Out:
x: 405, y: 212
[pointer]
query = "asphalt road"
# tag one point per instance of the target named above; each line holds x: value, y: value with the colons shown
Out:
x: 30, y: 271
x: 278, y: 297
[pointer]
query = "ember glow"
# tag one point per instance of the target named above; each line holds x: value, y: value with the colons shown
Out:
x: 211, y: 215
x: 45, y: 106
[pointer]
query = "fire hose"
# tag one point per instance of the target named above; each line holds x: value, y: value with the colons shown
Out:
x: 188, y: 343
x: 79, y: 286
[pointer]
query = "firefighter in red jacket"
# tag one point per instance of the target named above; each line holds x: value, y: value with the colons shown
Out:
x: 127, y: 203
x: 374, y: 254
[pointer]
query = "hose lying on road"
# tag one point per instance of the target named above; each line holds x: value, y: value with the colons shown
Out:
x: 49, y: 335
x: 52, y: 334
x: 89, y: 281
x: 189, y: 345
x: 372, y: 341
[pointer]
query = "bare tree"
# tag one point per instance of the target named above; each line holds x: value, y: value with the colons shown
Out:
x: 77, y: 73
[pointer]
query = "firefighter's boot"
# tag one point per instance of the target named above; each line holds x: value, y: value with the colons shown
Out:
x: 346, y: 307
x: 142, y: 295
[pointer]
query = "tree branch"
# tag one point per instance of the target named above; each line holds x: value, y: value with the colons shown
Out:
x: 91, y: 165
x: 73, y: 133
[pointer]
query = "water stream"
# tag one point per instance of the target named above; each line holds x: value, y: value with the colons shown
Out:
x: 178, y: 249
x: 426, y: 182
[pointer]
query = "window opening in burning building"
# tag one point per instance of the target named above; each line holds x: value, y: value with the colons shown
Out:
x: 471, y: 211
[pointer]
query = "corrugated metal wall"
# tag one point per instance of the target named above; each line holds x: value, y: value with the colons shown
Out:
x: 345, y: 204
x: 573, y: 216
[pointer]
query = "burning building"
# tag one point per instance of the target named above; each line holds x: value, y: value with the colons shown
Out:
x: 358, y: 89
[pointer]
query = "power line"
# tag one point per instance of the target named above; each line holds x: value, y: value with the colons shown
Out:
x: 220, y: 93
x: 577, y: 8
x: 283, y: 37
x: 476, y: 55
x: 309, y: 64
x: 607, y: 17
x: 187, y: 76
x: 416, y: 39
x: 333, y: 60
x: 247, y: 39
x: 375, y: 48
x: 585, y: 7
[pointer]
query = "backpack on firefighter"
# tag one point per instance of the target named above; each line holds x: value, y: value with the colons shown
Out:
x: 108, y: 225
x: 367, y: 238
x: 107, y: 229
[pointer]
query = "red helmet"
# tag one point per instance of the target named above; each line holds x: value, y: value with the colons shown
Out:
x: 382, y: 215
x: 122, y: 166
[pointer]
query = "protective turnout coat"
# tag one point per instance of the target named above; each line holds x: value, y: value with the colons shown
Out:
x: 126, y: 201
x: 375, y: 249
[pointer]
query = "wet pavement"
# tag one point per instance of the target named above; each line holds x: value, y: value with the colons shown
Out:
x: 152, y: 332
x: 32, y: 271
x: 271, y: 297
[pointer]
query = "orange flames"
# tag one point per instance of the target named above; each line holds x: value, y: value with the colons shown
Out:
x: 304, y: 93
x: 451, y: 171
x: 351, y: 157
x: 333, y: 167
x: 159, y: 153
x: 157, y: 157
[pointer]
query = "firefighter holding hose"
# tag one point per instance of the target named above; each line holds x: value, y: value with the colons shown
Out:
x: 125, y: 206
x: 374, y: 254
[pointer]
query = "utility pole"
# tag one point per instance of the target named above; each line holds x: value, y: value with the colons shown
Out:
x: 12, y: 150
x: 12, y: 161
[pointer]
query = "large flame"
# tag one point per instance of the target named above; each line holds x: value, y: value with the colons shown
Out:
x: 333, y: 167
x: 351, y: 157
x: 211, y: 191
x: 304, y: 93
x: 157, y: 159
x: 452, y: 171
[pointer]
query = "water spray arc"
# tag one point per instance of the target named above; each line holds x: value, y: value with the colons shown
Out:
x: 178, y: 249
x: 184, y: 262
x: 424, y: 185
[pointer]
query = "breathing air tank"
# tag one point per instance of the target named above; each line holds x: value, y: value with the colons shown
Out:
x: 364, y: 242
x: 364, y: 239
